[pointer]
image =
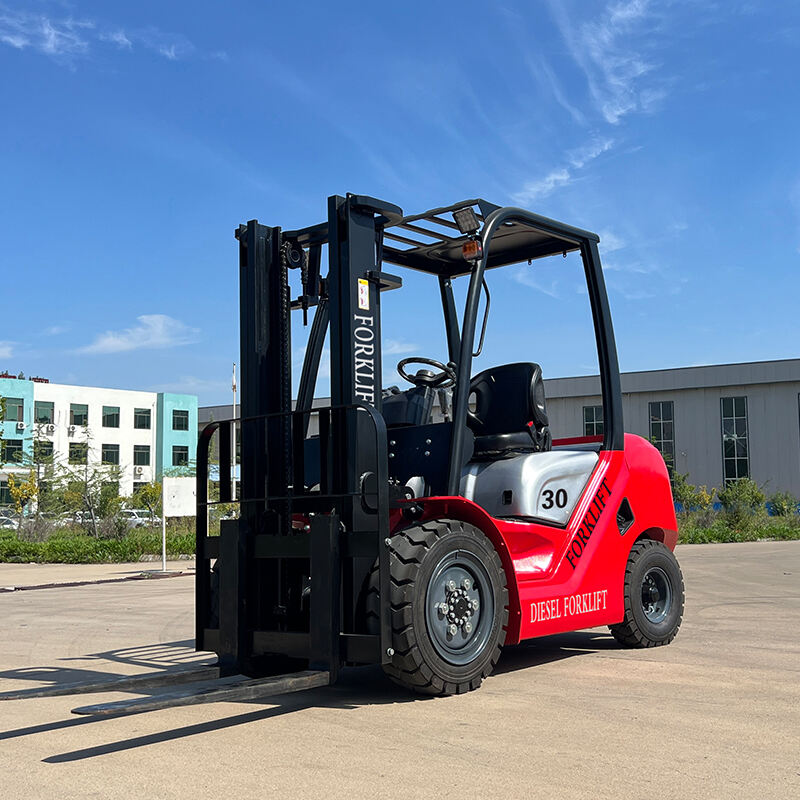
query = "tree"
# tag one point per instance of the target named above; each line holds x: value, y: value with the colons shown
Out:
x: 148, y: 496
x: 22, y: 489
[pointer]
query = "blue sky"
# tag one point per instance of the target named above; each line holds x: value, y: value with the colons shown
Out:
x: 135, y: 137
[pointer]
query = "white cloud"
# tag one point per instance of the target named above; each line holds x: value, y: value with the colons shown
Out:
x: 609, y: 242
x: 189, y: 384
x: 396, y: 347
x: 118, y: 38
x: 55, y: 330
x: 556, y: 178
x: 605, y: 49
x: 533, y: 190
x: 154, y: 331
x: 68, y: 39
x: 56, y: 38
x: 580, y: 157
x: 6, y: 349
x: 523, y: 275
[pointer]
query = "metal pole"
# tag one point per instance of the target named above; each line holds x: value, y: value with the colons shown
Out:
x: 233, y: 436
x: 163, y: 526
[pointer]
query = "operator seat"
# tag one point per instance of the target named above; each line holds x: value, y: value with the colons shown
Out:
x: 510, y: 415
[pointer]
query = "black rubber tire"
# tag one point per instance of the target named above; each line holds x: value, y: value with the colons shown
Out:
x: 636, y: 630
x: 414, y: 554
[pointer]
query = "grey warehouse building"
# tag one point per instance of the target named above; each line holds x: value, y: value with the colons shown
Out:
x: 716, y: 423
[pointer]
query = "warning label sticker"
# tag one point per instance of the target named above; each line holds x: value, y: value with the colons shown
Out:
x: 363, y: 294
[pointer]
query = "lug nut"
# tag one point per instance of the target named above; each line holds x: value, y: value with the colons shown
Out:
x: 475, y: 604
x: 468, y: 627
x: 466, y: 583
x: 451, y: 585
x: 442, y: 608
x: 452, y: 630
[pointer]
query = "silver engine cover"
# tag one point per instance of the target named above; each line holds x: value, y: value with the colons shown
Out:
x: 541, y: 485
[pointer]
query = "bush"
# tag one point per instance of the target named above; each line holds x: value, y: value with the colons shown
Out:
x: 692, y: 498
x: 743, y: 502
x: 783, y: 504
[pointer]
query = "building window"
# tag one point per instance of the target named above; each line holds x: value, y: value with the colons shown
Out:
x: 43, y: 412
x: 111, y: 416
x: 42, y: 450
x: 141, y: 455
x: 78, y: 453
x: 180, y: 455
x: 11, y: 451
x: 141, y: 418
x: 137, y: 485
x: 735, y: 450
x: 180, y: 420
x: 110, y: 454
x: 662, y: 431
x: 15, y: 409
x: 593, y: 420
x: 78, y: 414
x: 5, y: 494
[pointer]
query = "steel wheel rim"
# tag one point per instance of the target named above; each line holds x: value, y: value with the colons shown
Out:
x: 459, y: 607
x: 656, y: 595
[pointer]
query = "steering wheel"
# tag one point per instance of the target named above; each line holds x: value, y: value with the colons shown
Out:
x: 445, y: 377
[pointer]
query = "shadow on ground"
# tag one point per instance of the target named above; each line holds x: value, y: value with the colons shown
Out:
x: 356, y: 687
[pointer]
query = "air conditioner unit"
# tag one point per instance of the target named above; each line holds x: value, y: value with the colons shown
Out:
x: 71, y: 429
x: 51, y: 428
x: 20, y: 426
x: 138, y: 470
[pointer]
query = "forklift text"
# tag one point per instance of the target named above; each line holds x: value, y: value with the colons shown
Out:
x: 577, y: 545
x: 365, y: 358
x: 573, y: 604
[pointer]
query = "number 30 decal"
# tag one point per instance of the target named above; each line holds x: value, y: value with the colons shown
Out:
x: 559, y: 498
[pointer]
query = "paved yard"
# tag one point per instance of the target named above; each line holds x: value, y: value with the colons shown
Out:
x: 714, y: 715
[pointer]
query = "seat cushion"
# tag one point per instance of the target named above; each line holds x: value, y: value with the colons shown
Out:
x: 499, y: 445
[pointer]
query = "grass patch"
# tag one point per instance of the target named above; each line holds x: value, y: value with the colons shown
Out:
x: 76, y: 547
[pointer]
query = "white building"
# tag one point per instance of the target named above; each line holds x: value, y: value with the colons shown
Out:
x: 144, y: 434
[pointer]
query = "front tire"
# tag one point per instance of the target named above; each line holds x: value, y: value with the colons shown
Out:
x: 654, y: 597
x: 449, y: 607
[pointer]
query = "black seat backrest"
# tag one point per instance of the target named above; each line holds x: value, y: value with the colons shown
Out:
x: 507, y: 399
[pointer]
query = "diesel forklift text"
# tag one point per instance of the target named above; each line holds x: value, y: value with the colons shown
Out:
x: 587, y: 524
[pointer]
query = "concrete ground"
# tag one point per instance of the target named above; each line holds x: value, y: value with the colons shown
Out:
x: 714, y: 715
x: 26, y: 576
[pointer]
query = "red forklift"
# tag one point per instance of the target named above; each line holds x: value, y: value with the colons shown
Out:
x: 421, y: 529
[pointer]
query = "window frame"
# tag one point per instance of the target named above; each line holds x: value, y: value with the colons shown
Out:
x: 735, y: 438
x: 659, y: 441
x: 38, y: 444
x: 139, y: 450
x: 18, y: 446
x: 110, y: 411
x: 110, y: 447
x: 141, y: 412
x: 594, y: 422
x: 51, y: 419
x: 180, y: 447
x: 18, y: 404
x: 75, y: 446
x: 72, y: 414
x: 184, y: 416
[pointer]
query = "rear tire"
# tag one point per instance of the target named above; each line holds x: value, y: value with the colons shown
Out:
x: 449, y: 607
x: 654, y: 597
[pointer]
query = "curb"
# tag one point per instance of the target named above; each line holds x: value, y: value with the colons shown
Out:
x: 142, y: 576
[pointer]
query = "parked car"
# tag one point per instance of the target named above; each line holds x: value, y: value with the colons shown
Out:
x: 139, y: 517
x: 8, y: 523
